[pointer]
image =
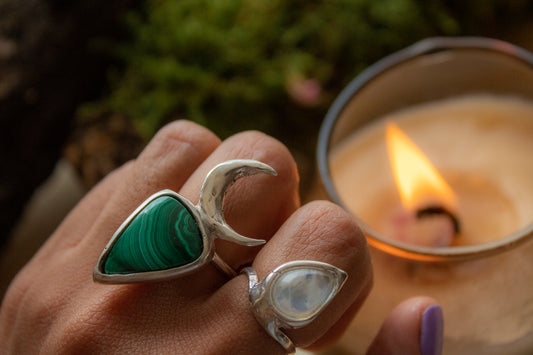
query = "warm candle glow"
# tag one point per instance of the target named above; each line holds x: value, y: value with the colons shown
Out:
x: 417, y: 179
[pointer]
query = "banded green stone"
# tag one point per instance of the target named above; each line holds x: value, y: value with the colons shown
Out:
x: 163, y: 235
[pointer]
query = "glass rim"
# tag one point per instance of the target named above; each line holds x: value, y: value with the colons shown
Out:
x: 423, y: 47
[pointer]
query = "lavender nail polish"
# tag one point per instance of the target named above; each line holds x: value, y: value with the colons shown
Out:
x: 432, y: 331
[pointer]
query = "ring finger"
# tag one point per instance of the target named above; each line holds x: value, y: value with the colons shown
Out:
x: 319, y: 231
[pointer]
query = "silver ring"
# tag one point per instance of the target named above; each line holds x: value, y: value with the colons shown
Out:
x: 292, y: 296
x: 223, y: 266
x: 167, y: 236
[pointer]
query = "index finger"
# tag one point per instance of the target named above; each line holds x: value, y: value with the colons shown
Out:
x: 166, y: 163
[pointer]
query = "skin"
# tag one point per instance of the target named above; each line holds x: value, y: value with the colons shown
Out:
x: 54, y: 307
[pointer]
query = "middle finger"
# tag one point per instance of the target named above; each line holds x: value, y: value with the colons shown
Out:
x: 255, y: 206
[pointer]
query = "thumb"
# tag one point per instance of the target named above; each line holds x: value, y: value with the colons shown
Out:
x: 414, y: 327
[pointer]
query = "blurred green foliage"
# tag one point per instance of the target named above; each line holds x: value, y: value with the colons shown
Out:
x: 230, y: 64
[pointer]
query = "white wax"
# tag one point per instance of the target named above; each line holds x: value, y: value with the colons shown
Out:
x: 483, y: 147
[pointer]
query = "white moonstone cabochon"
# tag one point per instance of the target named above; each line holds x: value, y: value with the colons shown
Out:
x: 300, y: 293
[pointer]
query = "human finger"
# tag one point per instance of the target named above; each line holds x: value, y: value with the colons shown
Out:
x: 255, y: 206
x: 82, y: 217
x: 335, y: 332
x: 319, y: 231
x: 166, y: 163
x: 258, y: 145
x: 414, y: 327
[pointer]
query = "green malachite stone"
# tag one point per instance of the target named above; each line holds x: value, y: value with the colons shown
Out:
x: 163, y: 235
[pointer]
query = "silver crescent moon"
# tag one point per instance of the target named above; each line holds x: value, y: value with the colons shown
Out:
x: 211, y: 199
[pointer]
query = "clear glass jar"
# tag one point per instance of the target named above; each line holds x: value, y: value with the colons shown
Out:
x: 486, y: 290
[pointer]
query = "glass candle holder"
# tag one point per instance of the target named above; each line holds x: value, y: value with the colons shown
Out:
x: 484, y: 285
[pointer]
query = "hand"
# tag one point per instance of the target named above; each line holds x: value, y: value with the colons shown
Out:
x: 53, y: 305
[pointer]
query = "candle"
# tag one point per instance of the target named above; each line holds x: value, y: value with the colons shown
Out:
x: 481, y: 144
x: 466, y: 105
x: 428, y: 213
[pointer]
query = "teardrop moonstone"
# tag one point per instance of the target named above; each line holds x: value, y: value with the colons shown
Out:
x: 301, y: 293
x: 163, y: 235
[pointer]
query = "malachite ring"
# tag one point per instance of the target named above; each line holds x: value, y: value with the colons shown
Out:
x: 167, y: 236
x: 292, y: 296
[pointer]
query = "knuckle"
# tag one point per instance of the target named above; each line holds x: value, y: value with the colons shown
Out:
x: 331, y: 230
x: 90, y: 328
x: 172, y: 155
x: 33, y: 304
x: 87, y: 332
x: 262, y: 147
x: 186, y: 137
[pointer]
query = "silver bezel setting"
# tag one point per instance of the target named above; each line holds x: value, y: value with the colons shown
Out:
x: 263, y: 304
x: 206, y: 256
x: 208, y: 214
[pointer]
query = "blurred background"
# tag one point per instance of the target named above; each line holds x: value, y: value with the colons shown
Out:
x: 84, y: 84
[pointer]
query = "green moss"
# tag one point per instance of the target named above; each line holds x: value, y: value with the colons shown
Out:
x: 228, y: 64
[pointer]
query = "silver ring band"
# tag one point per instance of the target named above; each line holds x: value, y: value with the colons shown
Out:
x: 223, y: 266
x: 292, y: 296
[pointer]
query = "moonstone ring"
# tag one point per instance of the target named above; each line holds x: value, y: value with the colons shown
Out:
x: 293, y: 295
x: 167, y: 236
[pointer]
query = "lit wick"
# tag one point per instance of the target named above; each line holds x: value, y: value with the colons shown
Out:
x: 432, y: 211
x: 420, y: 184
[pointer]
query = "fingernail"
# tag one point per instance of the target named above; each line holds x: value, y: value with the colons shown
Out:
x: 432, y: 331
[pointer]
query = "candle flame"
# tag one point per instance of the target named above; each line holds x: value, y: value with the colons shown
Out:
x: 417, y: 179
